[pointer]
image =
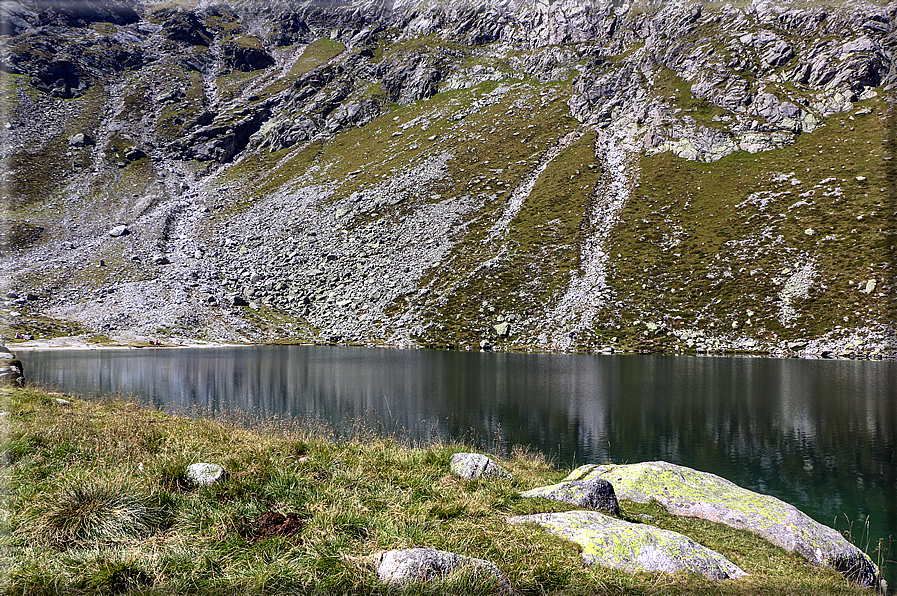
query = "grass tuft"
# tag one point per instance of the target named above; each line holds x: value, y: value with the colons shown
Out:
x: 93, y: 512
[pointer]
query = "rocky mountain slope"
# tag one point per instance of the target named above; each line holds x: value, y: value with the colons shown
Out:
x: 553, y: 175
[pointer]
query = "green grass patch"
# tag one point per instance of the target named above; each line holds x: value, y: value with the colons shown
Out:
x: 676, y: 90
x: 351, y: 495
x: 315, y: 54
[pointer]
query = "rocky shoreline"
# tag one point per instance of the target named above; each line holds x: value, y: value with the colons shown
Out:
x: 854, y: 349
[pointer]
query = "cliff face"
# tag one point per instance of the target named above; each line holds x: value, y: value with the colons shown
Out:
x: 550, y: 175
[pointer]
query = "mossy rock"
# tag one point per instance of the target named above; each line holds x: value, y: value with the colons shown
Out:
x: 688, y: 492
x: 632, y: 547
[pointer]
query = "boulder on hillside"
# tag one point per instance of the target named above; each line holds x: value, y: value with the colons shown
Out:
x: 81, y: 140
x: 688, y: 492
x: 634, y: 548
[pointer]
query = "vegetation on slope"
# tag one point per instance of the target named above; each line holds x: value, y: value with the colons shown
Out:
x: 713, y: 246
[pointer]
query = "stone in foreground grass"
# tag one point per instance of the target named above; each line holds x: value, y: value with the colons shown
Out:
x: 406, y: 566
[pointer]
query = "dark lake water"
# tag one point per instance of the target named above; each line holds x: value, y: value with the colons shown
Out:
x: 817, y: 433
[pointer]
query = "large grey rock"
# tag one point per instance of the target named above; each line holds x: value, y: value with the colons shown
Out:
x: 688, y: 492
x: 119, y: 230
x: 475, y: 465
x: 401, y: 567
x: 203, y: 474
x: 80, y: 140
x: 630, y: 547
x: 595, y: 493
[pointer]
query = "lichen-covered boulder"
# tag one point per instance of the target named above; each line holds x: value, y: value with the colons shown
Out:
x: 634, y: 548
x: 475, y: 465
x: 401, y: 567
x: 203, y: 474
x: 595, y: 493
x: 688, y: 492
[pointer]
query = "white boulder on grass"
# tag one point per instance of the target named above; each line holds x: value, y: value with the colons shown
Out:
x: 203, y: 474
x: 405, y: 566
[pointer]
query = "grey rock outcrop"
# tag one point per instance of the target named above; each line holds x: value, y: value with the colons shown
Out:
x: 473, y: 466
x: 684, y: 491
x: 633, y: 548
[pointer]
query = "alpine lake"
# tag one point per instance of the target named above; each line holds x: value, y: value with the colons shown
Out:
x: 819, y: 434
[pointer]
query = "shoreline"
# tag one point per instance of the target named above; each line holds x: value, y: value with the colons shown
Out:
x: 80, y: 343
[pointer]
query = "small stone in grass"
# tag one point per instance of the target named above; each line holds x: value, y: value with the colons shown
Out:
x: 475, y: 465
x: 203, y: 474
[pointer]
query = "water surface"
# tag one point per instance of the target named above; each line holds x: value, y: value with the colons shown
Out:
x: 817, y: 433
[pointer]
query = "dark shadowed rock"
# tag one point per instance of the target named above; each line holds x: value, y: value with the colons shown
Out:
x: 243, y: 57
x: 596, y: 493
x: 61, y: 79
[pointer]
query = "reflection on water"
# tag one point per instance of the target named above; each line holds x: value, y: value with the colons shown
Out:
x: 819, y: 434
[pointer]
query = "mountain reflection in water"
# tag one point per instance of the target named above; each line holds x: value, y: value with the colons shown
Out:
x: 819, y: 434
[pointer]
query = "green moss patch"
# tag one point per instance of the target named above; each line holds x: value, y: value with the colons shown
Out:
x: 315, y: 54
